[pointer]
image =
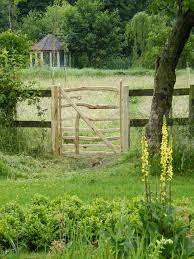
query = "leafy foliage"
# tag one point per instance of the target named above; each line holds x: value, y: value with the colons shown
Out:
x: 10, y: 85
x: 17, y: 47
x: 126, y: 8
x: 172, y: 4
x: 34, y: 26
x: 147, y: 35
x: 120, y: 223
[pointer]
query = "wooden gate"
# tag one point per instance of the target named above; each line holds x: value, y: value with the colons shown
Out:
x: 90, y: 120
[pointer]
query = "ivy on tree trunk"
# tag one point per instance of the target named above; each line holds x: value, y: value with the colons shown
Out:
x: 165, y: 76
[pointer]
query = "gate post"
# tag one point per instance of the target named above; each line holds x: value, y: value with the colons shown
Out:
x: 124, y: 117
x: 56, y: 121
x: 191, y: 109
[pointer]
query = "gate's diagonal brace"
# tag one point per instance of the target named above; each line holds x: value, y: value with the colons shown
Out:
x: 89, y: 123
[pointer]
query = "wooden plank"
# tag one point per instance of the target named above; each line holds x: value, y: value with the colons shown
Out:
x: 90, y: 106
x: 60, y: 121
x: 55, y: 122
x: 77, y: 133
x: 91, y: 88
x: 89, y: 123
x: 132, y: 92
x: 124, y: 117
x: 134, y: 123
x: 88, y: 145
x: 138, y: 122
x: 32, y: 124
x: 87, y: 130
x: 175, y: 121
x: 91, y: 119
x: 181, y: 91
x: 92, y: 153
x: 40, y: 93
x: 149, y: 92
x: 140, y: 92
x: 86, y: 138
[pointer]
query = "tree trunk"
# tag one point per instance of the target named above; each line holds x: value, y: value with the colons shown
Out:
x: 10, y: 14
x: 165, y: 77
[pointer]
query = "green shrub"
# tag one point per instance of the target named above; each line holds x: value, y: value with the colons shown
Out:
x: 10, y: 86
x: 17, y: 47
x: 124, y: 226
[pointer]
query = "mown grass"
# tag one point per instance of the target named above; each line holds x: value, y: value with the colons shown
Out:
x: 98, y: 178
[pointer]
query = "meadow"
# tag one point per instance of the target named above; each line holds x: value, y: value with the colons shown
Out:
x: 139, y: 108
x: 35, y: 171
x: 43, y: 78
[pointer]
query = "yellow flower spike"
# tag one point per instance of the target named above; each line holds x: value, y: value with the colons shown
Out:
x: 166, y: 162
x: 145, y: 166
x: 170, y: 168
x: 145, y: 159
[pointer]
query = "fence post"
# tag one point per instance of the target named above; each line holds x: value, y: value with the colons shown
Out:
x: 124, y: 117
x: 55, y: 123
x: 191, y: 109
x: 77, y: 121
x: 60, y: 121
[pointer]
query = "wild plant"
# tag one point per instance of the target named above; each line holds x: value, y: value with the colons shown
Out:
x: 166, y: 167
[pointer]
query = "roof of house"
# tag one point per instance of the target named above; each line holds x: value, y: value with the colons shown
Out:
x: 48, y: 43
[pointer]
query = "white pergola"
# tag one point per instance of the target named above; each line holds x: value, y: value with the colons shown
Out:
x: 51, y: 47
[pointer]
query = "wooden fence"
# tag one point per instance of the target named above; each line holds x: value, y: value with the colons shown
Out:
x: 132, y: 122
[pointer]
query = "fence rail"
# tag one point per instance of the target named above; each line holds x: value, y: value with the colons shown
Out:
x: 135, y: 123
x: 132, y: 93
x: 149, y: 92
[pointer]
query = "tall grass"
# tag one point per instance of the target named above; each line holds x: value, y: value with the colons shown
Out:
x: 46, y: 73
x: 29, y: 141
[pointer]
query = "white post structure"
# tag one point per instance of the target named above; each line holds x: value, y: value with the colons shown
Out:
x: 36, y: 58
x: 41, y: 58
x: 65, y: 60
x: 51, y: 59
x: 124, y: 117
x: 58, y: 59
x: 69, y: 59
x: 31, y: 59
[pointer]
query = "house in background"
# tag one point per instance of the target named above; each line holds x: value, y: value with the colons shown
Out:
x: 49, y: 51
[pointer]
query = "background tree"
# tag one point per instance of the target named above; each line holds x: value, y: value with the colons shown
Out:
x: 166, y: 64
x: 89, y: 32
x: 146, y: 35
x: 126, y: 8
x: 34, y: 26
x: 25, y: 7
x: 8, y: 14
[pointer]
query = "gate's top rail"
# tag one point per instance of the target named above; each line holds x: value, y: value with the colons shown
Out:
x: 91, y: 88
